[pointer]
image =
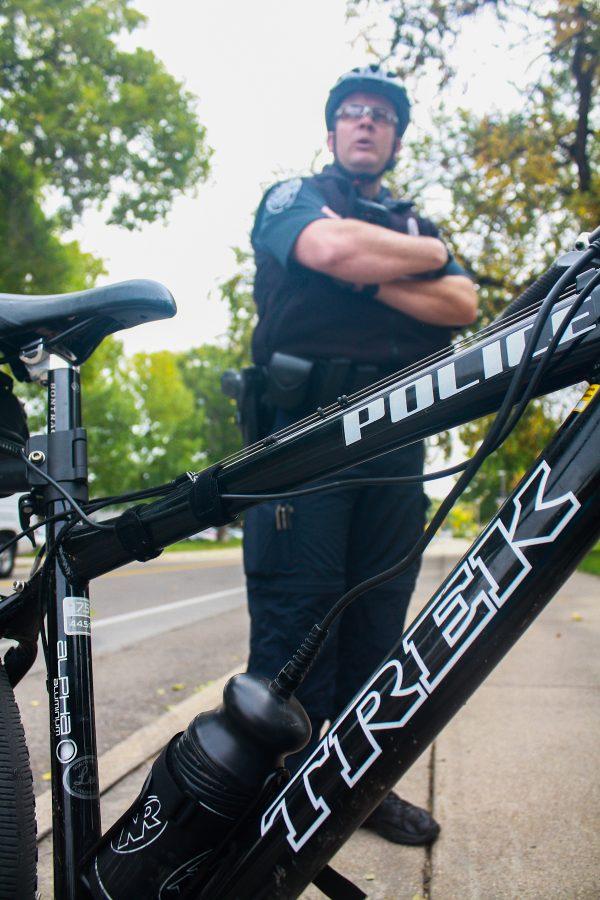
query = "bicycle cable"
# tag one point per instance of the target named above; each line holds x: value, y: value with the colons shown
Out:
x: 144, y: 494
x: 513, y: 420
x: 352, y: 482
x: 439, y: 356
x: 547, y: 359
x: 27, y: 531
x: 70, y: 500
x: 295, y: 670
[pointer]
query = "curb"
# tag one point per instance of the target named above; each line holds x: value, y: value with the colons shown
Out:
x: 145, y: 743
x: 141, y: 746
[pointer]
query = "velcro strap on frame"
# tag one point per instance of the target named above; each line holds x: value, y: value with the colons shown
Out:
x: 133, y: 535
x: 205, y: 499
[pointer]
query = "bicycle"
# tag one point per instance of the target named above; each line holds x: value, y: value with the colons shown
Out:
x: 218, y: 815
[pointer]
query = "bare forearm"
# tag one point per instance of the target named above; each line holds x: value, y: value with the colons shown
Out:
x: 451, y: 300
x: 362, y: 253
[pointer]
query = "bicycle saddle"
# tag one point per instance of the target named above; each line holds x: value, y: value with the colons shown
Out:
x: 73, y: 325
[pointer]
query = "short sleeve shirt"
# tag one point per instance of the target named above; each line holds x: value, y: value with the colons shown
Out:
x: 286, y: 209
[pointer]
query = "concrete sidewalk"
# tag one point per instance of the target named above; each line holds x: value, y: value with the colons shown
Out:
x: 514, y: 779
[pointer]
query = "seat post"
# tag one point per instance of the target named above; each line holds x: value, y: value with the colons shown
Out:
x: 75, y: 792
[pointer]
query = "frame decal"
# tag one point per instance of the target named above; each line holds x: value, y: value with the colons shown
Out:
x: 464, y: 606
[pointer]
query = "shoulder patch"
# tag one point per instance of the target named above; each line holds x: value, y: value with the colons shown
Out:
x: 283, y: 195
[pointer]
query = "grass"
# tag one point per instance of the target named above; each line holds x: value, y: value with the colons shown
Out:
x: 204, y: 545
x: 591, y: 562
x: 182, y: 545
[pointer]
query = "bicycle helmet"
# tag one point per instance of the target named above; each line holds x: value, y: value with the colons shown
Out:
x: 375, y: 81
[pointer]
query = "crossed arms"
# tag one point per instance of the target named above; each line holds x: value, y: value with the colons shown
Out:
x: 362, y: 253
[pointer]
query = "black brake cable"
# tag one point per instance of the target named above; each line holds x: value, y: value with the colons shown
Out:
x: 352, y: 482
x: 515, y: 416
x: 294, y: 671
x: 27, y: 531
x: 144, y: 494
x: 70, y: 500
x: 547, y: 359
x: 439, y: 356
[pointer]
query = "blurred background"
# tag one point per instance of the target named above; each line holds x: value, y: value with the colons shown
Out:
x: 136, y: 138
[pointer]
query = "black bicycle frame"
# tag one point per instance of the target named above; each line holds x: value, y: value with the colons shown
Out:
x: 74, y: 764
x: 432, y: 397
x: 494, y: 593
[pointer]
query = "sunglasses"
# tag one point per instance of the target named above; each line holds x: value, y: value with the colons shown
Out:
x: 378, y: 114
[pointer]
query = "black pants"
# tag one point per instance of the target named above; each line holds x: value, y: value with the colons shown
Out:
x: 301, y: 555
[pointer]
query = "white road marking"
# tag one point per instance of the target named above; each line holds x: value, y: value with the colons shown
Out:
x: 164, y: 607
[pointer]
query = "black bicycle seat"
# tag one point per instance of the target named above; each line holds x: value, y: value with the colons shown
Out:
x: 73, y: 325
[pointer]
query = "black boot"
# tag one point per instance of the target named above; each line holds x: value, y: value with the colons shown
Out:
x: 402, y: 823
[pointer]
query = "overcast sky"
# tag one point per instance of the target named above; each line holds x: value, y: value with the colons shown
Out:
x: 261, y: 71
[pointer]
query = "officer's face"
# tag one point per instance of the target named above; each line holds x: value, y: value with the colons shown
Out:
x: 362, y: 145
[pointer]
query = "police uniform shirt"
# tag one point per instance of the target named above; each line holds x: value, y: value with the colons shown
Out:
x: 310, y: 314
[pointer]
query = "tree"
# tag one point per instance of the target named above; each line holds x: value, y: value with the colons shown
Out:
x: 203, y: 366
x: 111, y: 414
x: 98, y: 123
x: 201, y: 369
x: 169, y: 433
x: 520, y: 184
x: 83, y: 122
x: 236, y: 292
x: 33, y: 259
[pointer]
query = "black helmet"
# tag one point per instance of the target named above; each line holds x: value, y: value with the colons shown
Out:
x: 375, y: 81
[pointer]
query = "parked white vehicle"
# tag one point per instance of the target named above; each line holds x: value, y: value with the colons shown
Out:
x: 9, y: 527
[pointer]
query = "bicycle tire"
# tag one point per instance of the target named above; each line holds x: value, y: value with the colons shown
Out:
x: 18, y: 848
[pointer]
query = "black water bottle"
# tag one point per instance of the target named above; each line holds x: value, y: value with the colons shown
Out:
x: 204, y: 780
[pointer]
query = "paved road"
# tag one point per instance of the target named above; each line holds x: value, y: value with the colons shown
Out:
x: 513, y: 778
x: 160, y: 631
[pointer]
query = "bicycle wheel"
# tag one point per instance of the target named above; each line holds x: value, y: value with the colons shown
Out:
x: 18, y: 850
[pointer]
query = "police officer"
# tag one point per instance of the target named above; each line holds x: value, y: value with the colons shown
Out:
x: 358, y: 285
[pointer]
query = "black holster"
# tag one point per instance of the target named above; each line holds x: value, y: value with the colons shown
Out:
x: 291, y: 383
x: 247, y: 388
x: 259, y: 390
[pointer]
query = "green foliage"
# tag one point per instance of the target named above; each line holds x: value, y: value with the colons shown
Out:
x: 94, y: 121
x: 111, y: 415
x: 462, y: 521
x: 591, y: 562
x: 168, y: 436
x: 236, y: 292
x: 33, y: 259
x: 502, y: 471
x: 520, y: 185
x: 202, y: 367
x: 83, y: 123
